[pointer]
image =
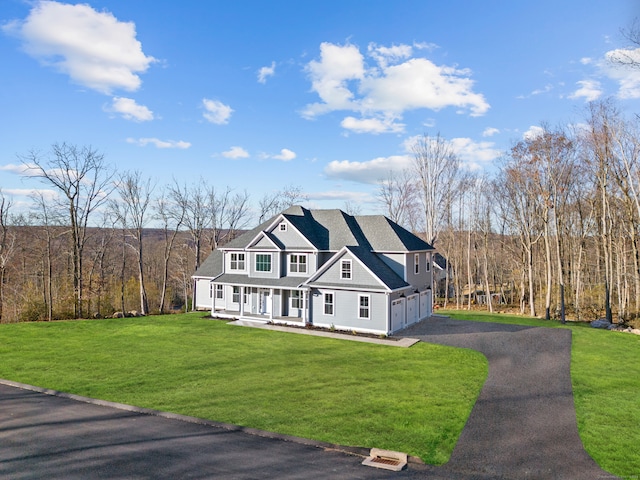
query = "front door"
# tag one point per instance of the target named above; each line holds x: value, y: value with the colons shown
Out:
x: 265, y: 302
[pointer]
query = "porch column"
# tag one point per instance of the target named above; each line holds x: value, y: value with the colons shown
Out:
x: 304, y: 306
x: 271, y: 300
x: 213, y: 298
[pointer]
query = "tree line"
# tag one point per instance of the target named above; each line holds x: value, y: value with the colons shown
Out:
x: 97, y: 242
x: 553, y: 231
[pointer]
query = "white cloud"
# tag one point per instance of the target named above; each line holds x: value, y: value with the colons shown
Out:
x: 49, y: 195
x: 216, y: 111
x: 130, y: 110
x: 372, y: 171
x: 358, y: 197
x: 372, y: 125
x: 143, y: 142
x: 393, y: 82
x: 28, y: 170
x: 94, y: 48
x: 490, y: 132
x: 285, y: 155
x: 586, y: 60
x: 266, y: 72
x: 590, y: 90
x: 628, y: 77
x: 235, y: 153
x: 475, y: 155
x: 533, y: 132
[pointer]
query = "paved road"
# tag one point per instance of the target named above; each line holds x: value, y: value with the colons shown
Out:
x: 523, y: 426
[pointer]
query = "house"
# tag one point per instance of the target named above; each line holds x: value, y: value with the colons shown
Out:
x: 321, y: 267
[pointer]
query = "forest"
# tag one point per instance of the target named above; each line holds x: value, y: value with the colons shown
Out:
x: 552, y: 231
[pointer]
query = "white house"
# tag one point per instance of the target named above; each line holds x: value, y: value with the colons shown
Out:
x: 321, y: 267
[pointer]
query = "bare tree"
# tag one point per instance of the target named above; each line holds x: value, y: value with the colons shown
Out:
x: 171, y: 216
x: 133, y: 209
x: 438, y: 170
x: 7, y: 242
x: 194, y: 201
x: 83, y: 180
x: 273, y: 203
x: 229, y: 213
x: 398, y: 196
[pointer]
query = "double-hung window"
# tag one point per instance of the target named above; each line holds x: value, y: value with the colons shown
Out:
x: 210, y: 290
x: 345, y: 269
x: 263, y: 262
x: 363, y: 306
x: 297, y: 263
x: 416, y: 263
x: 296, y: 299
x: 328, y: 303
x: 220, y: 292
x: 237, y: 261
x: 235, y: 298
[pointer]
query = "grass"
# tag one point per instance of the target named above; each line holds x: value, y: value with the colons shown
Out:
x: 414, y: 400
x: 605, y: 373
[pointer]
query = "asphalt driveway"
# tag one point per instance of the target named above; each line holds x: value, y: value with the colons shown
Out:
x: 522, y: 426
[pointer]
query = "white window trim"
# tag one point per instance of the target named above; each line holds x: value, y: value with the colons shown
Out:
x: 219, y: 288
x: 368, y: 297
x: 211, y: 290
x: 270, y: 262
x: 237, y: 261
x: 282, y: 227
x: 235, y: 297
x: 298, y: 263
x: 416, y: 263
x: 346, y: 262
x: 333, y: 304
x: 300, y: 299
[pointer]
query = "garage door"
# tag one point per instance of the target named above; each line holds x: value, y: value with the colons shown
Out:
x: 397, y: 315
x: 412, y: 309
x: 426, y: 304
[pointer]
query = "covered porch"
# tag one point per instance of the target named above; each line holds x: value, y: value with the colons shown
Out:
x: 285, y: 302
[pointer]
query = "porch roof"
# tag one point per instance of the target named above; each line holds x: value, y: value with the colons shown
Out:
x: 236, y: 279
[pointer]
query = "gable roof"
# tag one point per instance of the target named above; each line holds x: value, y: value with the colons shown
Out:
x: 331, y: 230
x: 370, y: 261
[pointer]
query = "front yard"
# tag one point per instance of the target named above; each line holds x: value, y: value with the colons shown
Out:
x: 413, y: 400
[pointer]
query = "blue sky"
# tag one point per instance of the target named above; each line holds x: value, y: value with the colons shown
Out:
x: 258, y: 95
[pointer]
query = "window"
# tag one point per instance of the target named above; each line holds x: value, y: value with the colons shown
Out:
x: 298, y: 263
x: 236, y: 295
x: 345, y: 269
x: 263, y: 262
x: 210, y: 290
x: 428, y: 264
x: 283, y: 227
x: 296, y: 299
x: 220, y: 292
x: 363, y: 306
x: 416, y: 263
x: 245, y: 296
x: 328, y: 303
x: 237, y: 261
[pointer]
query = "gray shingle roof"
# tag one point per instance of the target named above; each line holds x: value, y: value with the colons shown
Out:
x: 330, y: 230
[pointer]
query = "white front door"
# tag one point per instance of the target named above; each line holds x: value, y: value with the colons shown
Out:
x: 265, y: 302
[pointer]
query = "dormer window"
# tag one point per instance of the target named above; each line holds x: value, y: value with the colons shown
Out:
x: 283, y: 227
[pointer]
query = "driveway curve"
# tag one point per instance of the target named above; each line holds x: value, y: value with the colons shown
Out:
x: 523, y: 424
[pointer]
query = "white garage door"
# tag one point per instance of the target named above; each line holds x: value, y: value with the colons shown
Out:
x: 412, y: 309
x: 397, y: 315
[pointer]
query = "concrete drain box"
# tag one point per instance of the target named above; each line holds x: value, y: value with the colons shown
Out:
x: 386, y: 459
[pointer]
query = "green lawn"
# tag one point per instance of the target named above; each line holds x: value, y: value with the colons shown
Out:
x: 605, y: 372
x: 414, y: 400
